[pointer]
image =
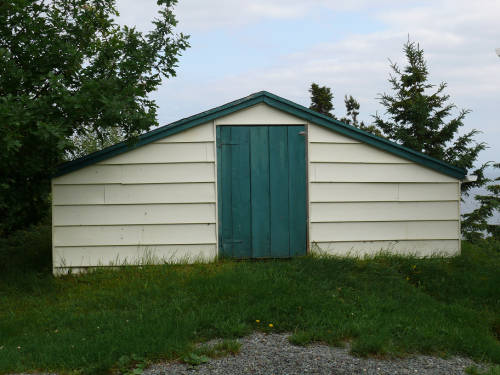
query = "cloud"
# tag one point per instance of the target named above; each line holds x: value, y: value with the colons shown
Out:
x: 196, y: 15
x: 459, y: 38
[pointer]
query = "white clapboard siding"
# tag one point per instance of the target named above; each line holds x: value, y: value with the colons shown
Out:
x: 352, y: 192
x: 366, y: 192
x: 390, y: 230
x: 167, y: 234
x: 133, y: 194
x: 416, y: 192
x: 320, y: 134
x: 160, y: 193
x: 350, y: 172
x: 200, y: 133
x: 383, y: 211
x: 77, y: 194
x: 351, y: 153
x: 140, y: 173
x: 411, y: 247
x: 123, y: 255
x: 170, y: 213
x: 162, y: 152
x: 259, y: 114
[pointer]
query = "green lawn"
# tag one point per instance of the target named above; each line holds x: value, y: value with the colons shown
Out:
x: 384, y: 306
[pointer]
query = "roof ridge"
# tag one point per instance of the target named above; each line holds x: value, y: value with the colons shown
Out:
x: 276, y: 102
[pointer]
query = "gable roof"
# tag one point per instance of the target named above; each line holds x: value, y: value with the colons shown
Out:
x: 275, y: 102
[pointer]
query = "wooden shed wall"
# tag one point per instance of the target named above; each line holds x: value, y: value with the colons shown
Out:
x: 363, y: 200
x: 158, y: 202
x: 154, y: 203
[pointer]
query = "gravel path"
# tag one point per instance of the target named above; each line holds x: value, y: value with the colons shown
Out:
x: 273, y: 354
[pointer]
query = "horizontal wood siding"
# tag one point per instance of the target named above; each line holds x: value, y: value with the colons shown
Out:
x: 156, y: 213
x: 373, y: 192
x: 140, y: 174
x: 110, y: 235
x: 418, y: 248
x: 350, y: 153
x: 133, y: 193
x: 383, y: 211
x: 374, y: 172
x: 159, y: 152
x: 363, y: 200
x: 79, y: 256
x: 160, y: 196
x: 384, y: 230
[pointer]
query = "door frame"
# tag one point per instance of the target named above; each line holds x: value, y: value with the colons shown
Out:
x: 216, y: 165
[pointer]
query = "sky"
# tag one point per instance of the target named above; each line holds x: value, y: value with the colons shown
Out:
x: 282, y: 46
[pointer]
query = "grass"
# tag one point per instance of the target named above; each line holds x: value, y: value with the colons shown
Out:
x: 385, y: 306
x: 495, y: 370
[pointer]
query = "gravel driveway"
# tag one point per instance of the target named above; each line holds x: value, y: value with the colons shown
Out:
x: 273, y: 354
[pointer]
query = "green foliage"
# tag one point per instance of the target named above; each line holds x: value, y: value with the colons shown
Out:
x: 494, y: 370
x: 195, y: 359
x: 475, y: 224
x: 321, y: 99
x: 94, y: 141
x: 131, y: 365
x: 352, y: 111
x: 203, y: 353
x: 420, y: 120
x: 383, y: 305
x: 67, y: 69
x: 27, y: 251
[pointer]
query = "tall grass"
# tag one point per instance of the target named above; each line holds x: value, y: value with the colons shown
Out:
x: 386, y: 305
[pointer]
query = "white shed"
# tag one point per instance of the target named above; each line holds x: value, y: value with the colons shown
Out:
x: 258, y: 177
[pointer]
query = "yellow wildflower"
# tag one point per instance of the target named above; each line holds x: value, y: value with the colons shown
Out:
x: 271, y: 325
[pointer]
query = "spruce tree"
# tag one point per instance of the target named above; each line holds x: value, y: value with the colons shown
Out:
x: 475, y: 225
x: 321, y: 99
x: 420, y: 116
x: 352, y: 111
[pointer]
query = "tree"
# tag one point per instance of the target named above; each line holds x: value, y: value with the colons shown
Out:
x: 93, y: 141
x: 475, y: 225
x: 321, y: 99
x: 423, y: 121
x: 67, y: 69
x: 352, y: 111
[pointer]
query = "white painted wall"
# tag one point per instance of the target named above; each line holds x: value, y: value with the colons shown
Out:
x: 158, y: 202
x: 153, y: 204
x: 364, y: 200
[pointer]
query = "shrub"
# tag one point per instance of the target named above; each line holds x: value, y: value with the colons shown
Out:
x: 27, y: 249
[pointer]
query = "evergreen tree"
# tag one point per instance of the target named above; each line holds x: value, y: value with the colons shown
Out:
x: 423, y: 121
x: 475, y: 225
x: 352, y: 111
x: 321, y: 99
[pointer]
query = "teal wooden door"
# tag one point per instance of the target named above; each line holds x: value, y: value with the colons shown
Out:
x: 261, y: 178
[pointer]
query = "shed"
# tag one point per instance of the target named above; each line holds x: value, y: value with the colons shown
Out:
x: 259, y: 177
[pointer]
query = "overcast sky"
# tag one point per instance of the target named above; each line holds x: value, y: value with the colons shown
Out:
x: 281, y: 46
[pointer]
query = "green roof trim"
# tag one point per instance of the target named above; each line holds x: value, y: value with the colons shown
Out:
x: 275, y: 102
